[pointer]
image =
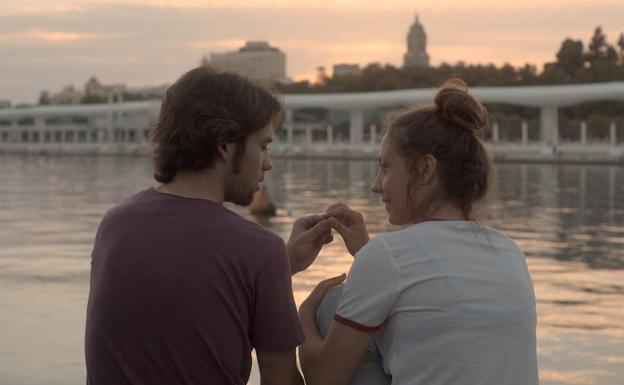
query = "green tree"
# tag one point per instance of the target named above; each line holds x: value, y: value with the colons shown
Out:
x: 570, y: 58
x: 599, y: 49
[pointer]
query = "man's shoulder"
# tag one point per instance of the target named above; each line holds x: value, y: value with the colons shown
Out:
x: 125, y: 206
x: 253, y: 232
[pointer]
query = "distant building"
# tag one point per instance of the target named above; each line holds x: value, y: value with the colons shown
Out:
x: 257, y: 60
x: 416, y: 54
x: 148, y: 92
x: 5, y: 104
x: 93, y: 89
x: 68, y: 95
x: 347, y: 70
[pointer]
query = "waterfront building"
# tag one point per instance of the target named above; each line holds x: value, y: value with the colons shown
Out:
x: 5, y: 104
x: 257, y: 60
x: 68, y: 95
x: 124, y: 127
x: 148, y: 92
x: 96, y: 90
x: 416, y: 54
x: 344, y: 69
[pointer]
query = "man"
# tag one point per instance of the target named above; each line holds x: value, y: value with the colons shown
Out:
x: 182, y: 289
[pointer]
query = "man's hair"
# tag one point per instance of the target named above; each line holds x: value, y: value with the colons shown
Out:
x: 203, y: 109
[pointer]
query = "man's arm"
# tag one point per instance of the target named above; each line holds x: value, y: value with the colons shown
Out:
x: 278, y: 368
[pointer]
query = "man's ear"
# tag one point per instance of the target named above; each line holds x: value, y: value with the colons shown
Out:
x: 226, y: 150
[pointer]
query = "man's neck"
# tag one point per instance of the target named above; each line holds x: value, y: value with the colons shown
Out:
x: 206, y: 184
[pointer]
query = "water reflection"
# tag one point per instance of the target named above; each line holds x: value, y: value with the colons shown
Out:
x: 568, y: 219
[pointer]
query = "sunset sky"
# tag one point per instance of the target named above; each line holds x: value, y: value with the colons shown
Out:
x: 50, y: 44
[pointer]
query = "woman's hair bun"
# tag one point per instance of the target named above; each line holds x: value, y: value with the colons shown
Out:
x: 458, y: 108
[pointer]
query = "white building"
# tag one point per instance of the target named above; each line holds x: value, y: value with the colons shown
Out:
x: 93, y: 88
x: 124, y: 127
x: 68, y: 95
x: 257, y: 60
x: 344, y: 69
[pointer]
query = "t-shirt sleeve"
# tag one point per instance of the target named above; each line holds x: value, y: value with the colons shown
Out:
x: 371, y: 289
x: 275, y: 322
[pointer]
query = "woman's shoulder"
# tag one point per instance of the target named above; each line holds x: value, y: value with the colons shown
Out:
x: 434, y: 233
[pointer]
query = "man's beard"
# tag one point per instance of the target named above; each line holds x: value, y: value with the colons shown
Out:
x: 238, y: 195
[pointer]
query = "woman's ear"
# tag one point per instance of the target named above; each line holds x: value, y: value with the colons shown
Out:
x: 429, y: 167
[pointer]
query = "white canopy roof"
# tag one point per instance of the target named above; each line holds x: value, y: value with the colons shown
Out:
x: 531, y: 96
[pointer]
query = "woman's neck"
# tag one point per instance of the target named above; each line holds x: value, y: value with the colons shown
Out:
x: 446, y: 211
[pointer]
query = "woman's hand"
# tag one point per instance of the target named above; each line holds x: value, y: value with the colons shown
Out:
x: 349, y: 224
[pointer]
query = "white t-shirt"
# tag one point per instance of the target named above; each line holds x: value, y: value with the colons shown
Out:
x: 453, y: 302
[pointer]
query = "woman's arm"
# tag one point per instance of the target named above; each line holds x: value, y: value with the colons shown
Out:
x: 332, y: 361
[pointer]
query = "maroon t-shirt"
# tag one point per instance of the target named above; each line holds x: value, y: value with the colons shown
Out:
x: 181, y: 291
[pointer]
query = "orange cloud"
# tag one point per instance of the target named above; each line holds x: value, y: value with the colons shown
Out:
x: 57, y: 36
x: 23, y: 8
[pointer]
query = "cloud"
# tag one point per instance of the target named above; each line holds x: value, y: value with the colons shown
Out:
x: 58, y: 36
x: 47, y: 44
x: 35, y: 36
x: 29, y: 7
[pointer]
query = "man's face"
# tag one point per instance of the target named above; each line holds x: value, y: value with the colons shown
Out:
x: 242, y: 184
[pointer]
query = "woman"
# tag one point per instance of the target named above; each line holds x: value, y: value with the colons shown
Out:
x: 445, y: 299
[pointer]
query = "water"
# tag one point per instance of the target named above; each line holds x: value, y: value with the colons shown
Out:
x: 568, y: 219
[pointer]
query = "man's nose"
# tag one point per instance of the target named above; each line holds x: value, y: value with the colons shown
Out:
x: 267, y: 164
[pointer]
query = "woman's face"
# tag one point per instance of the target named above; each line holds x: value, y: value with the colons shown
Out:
x: 391, y: 183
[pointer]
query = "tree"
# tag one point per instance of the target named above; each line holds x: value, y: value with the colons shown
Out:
x: 570, y: 58
x: 599, y: 49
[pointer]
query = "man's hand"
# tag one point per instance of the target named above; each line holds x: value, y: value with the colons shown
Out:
x: 350, y: 224
x: 308, y: 235
x: 316, y: 296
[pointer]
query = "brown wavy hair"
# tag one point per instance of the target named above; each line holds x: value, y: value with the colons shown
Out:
x: 203, y: 109
x: 452, y: 131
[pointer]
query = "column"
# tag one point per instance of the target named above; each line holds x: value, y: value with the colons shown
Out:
x: 308, y: 135
x: 330, y: 134
x: 38, y: 129
x: 495, y: 132
x: 356, y: 127
x: 612, y: 134
x: 549, y: 125
x: 373, y: 134
x: 110, y: 120
x: 288, y: 123
x: 525, y: 132
x: 13, y: 132
x: 583, y: 133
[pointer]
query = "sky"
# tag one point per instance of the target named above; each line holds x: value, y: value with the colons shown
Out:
x: 49, y: 44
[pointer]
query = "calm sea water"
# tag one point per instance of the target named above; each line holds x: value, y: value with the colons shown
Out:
x: 568, y: 219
